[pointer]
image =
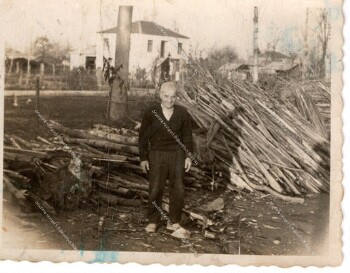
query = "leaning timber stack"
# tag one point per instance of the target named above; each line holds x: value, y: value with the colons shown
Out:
x: 311, y: 98
x: 265, y: 144
x: 320, y: 93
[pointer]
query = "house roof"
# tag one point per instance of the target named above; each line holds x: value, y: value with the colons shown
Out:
x: 15, y: 54
x: 288, y: 68
x: 88, y: 51
x: 281, y: 66
x: 150, y: 28
x: 234, y: 66
x: 274, y: 55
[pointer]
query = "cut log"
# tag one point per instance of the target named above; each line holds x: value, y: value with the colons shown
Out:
x: 127, y: 183
x: 19, y: 194
x: 128, y: 140
x: 18, y: 157
x: 104, y: 144
x: 114, y: 200
x: 15, y: 176
x: 24, y: 152
x: 23, y: 142
x: 114, y: 188
x: 14, y: 143
x: 91, y: 149
x: 93, y: 134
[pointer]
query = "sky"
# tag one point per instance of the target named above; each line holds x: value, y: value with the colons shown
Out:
x: 208, y: 23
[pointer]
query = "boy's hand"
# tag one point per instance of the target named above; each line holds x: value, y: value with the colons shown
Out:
x: 188, y: 164
x: 144, y: 166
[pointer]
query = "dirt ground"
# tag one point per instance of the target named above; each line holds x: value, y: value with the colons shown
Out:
x: 251, y: 224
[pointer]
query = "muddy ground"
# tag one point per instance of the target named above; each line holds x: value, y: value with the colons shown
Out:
x: 255, y: 224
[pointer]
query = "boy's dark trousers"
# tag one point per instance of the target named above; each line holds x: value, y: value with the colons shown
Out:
x: 166, y: 165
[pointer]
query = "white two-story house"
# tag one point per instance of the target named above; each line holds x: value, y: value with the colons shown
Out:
x: 150, y: 44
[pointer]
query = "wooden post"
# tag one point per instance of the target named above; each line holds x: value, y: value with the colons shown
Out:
x: 61, y: 78
x: 42, y: 70
x: 11, y: 65
x: 255, y: 46
x: 118, y: 89
x: 37, y: 93
x: 28, y: 77
x: 15, y: 103
x: 20, y: 78
x: 37, y: 101
x: 28, y: 64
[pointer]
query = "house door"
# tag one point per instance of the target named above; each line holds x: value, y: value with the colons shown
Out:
x: 162, y: 49
x: 90, y: 62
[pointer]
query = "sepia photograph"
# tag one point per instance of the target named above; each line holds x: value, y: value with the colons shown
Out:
x: 172, y: 131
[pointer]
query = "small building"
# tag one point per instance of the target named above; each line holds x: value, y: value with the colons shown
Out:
x: 150, y: 45
x: 17, y: 61
x: 271, y: 57
x: 235, y: 71
x: 285, y: 67
x: 295, y: 71
x: 85, y: 58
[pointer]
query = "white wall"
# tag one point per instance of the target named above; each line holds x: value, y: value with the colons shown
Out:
x: 139, y: 57
x: 76, y: 60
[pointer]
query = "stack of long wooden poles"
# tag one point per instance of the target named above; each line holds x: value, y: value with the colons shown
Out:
x: 269, y: 145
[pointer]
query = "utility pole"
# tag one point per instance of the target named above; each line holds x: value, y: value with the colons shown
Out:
x: 305, y: 47
x: 119, y: 87
x: 255, y: 46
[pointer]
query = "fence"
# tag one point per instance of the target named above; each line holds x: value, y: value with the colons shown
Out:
x: 58, y: 78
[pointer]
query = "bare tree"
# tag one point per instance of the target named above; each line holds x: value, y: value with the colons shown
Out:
x: 42, y: 50
x: 46, y: 51
x: 59, y: 53
x: 219, y: 56
x: 305, y: 47
x: 272, y: 44
x: 293, y: 50
x: 290, y: 43
x: 323, y: 35
x: 197, y: 50
x: 273, y: 41
x: 256, y: 44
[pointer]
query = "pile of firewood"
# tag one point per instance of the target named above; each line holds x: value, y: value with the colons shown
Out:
x: 277, y: 146
x: 79, y: 166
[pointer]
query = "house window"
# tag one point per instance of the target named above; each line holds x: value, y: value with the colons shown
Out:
x: 149, y: 46
x: 90, y: 62
x: 179, y: 48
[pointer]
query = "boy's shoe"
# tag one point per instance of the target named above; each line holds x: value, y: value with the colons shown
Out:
x: 173, y: 227
x: 181, y: 233
x: 151, y: 228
